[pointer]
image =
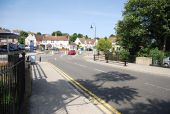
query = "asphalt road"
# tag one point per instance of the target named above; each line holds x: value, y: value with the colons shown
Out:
x: 129, y: 92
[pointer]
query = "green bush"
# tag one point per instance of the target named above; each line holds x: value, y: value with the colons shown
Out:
x: 167, y: 53
x: 143, y: 52
x: 124, y: 54
x: 157, y: 56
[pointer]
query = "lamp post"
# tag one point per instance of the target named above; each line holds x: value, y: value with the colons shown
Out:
x: 94, y: 26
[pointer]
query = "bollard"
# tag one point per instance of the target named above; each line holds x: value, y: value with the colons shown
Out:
x: 40, y: 59
x: 125, y: 62
x: 94, y: 57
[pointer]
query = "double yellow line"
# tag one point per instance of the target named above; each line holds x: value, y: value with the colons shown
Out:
x: 105, y: 107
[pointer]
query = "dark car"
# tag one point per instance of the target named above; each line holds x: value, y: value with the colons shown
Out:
x: 3, y: 48
x: 13, y: 47
x: 71, y: 52
x: 21, y: 47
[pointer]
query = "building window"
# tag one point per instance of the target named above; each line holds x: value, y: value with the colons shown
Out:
x: 52, y: 41
x: 44, y: 41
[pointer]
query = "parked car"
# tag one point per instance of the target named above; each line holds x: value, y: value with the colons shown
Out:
x: 21, y: 47
x: 3, y: 48
x: 166, y: 62
x: 13, y: 47
x: 71, y: 52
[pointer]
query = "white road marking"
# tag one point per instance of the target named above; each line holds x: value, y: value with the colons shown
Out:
x: 80, y: 65
x: 100, y: 70
x: 157, y: 86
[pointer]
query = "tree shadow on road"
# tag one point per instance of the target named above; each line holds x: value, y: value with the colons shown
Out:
x: 115, y: 94
x: 113, y: 76
x: 153, y: 106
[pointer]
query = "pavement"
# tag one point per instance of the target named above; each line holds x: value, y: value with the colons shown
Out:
x: 53, y: 94
x: 132, y: 66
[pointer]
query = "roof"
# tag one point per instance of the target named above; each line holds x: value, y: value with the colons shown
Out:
x: 87, y: 41
x: 8, y: 35
x: 38, y: 37
x: 52, y: 38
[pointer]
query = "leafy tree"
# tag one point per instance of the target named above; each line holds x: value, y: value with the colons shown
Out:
x: 144, y: 21
x: 143, y: 52
x: 86, y: 37
x: 157, y: 56
x: 104, y: 45
x: 73, y: 37
x: 124, y: 54
x: 38, y: 33
x: 57, y: 33
x: 22, y: 37
x: 80, y: 35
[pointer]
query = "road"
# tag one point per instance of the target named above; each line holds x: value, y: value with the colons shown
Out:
x: 127, y: 91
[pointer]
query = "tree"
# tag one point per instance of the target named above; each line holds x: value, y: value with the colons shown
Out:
x: 57, y: 33
x: 80, y: 35
x: 104, y: 45
x: 86, y: 37
x: 144, y: 21
x: 38, y: 33
x: 73, y: 37
x: 124, y: 54
x: 22, y: 37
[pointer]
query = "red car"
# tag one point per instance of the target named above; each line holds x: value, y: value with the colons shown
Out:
x: 71, y: 52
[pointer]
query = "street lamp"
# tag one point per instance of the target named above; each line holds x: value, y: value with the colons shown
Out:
x: 94, y: 26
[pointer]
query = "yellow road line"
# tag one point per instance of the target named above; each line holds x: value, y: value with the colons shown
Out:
x: 108, y: 109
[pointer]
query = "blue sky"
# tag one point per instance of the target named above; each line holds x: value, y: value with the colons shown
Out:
x: 69, y: 16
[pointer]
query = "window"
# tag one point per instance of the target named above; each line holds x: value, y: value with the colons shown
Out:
x: 44, y: 41
x: 52, y: 41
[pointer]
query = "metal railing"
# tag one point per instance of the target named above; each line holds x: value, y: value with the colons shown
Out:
x: 12, y: 84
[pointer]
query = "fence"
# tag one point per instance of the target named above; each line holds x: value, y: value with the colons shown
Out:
x: 113, y: 57
x: 12, y: 84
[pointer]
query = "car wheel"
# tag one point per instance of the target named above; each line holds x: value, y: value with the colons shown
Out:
x: 166, y: 65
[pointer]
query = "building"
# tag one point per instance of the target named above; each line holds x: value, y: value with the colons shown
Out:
x: 86, y: 43
x: 31, y: 40
x: 47, y: 41
x: 59, y: 42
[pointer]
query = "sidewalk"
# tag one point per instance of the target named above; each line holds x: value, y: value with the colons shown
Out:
x: 52, y: 94
x: 133, y: 67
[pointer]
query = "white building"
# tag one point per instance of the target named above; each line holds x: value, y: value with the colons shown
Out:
x: 60, y: 42
x: 31, y: 40
x: 47, y: 41
x: 86, y: 43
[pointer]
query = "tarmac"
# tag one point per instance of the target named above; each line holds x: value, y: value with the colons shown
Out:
x: 53, y: 94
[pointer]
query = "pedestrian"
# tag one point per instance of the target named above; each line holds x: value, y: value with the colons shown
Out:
x: 40, y: 58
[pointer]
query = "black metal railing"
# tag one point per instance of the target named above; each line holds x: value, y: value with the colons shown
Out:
x: 12, y: 84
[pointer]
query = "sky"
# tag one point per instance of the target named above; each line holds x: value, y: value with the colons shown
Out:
x: 67, y: 16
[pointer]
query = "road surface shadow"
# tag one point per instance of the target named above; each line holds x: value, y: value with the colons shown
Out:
x: 114, y: 94
x: 113, y: 76
x: 153, y: 106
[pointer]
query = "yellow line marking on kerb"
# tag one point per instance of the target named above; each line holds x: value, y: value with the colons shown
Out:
x: 107, y: 108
